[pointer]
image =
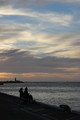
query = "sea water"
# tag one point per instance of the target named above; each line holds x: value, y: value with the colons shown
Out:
x: 53, y: 93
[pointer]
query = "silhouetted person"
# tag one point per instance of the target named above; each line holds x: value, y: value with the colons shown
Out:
x: 21, y: 93
x: 27, y: 97
x: 65, y: 108
x: 26, y: 94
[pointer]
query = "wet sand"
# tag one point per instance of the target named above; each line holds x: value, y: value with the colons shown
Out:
x: 13, y: 108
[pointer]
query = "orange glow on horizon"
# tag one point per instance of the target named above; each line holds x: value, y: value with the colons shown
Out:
x: 39, y: 75
x: 4, y: 77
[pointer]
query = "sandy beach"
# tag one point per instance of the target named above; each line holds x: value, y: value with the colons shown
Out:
x: 12, y: 108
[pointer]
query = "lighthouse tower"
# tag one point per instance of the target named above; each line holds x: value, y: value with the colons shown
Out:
x: 15, y: 80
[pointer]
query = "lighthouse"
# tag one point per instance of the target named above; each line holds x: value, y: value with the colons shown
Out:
x: 15, y: 80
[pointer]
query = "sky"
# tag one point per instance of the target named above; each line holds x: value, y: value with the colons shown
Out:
x: 40, y: 40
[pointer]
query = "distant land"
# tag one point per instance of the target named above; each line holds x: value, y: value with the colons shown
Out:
x: 10, y: 81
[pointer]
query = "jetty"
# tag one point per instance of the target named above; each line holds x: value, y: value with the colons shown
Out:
x: 11, y: 81
x: 13, y: 108
x: 1, y: 83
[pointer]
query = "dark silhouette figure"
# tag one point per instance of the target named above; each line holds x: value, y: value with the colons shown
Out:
x: 15, y: 80
x: 21, y: 93
x: 26, y: 96
x: 65, y: 108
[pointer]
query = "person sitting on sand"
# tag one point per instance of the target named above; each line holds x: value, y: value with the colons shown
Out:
x: 27, y: 97
x: 26, y: 94
x: 21, y: 93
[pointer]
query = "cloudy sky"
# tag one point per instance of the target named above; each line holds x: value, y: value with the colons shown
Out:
x: 40, y: 40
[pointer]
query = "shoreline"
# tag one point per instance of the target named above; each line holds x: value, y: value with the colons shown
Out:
x: 54, y: 94
x: 13, y: 108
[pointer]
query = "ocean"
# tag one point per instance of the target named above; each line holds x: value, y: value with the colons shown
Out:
x: 53, y: 93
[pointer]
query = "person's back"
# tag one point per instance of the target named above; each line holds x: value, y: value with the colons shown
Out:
x: 26, y: 94
x: 21, y: 93
x: 28, y: 97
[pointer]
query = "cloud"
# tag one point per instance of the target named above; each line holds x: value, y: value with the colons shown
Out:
x: 25, y: 59
x: 10, y: 54
x: 18, y: 37
x: 37, y: 16
x: 4, y: 2
x: 30, y: 3
x: 67, y: 1
x: 58, y: 44
x: 38, y: 77
x: 24, y: 3
x: 24, y: 65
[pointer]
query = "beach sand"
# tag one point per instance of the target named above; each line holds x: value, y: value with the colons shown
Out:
x: 12, y: 108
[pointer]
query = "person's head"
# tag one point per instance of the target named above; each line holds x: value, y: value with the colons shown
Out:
x: 21, y: 89
x: 26, y: 89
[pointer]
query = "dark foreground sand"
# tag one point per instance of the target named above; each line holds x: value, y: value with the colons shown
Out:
x: 12, y: 108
